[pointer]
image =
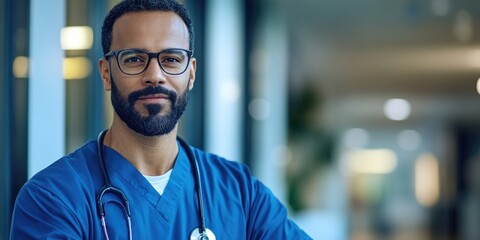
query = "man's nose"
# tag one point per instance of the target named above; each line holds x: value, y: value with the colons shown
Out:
x: 154, y: 74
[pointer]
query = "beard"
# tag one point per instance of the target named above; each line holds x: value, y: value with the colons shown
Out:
x: 153, y: 124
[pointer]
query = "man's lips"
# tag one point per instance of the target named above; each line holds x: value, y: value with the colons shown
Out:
x: 155, y: 98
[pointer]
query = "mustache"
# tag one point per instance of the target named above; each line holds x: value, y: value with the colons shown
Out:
x: 134, y: 96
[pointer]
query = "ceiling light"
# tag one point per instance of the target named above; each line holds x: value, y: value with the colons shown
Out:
x: 478, y: 86
x: 427, y: 180
x: 76, y: 38
x: 76, y: 68
x: 20, y: 67
x: 397, y: 109
x: 372, y: 161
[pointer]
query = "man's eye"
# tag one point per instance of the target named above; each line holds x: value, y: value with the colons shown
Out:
x: 171, y: 60
x: 133, y: 60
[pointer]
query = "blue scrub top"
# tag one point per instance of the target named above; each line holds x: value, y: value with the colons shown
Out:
x: 60, y: 201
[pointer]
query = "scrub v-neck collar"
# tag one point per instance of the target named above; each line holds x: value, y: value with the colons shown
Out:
x: 127, y: 178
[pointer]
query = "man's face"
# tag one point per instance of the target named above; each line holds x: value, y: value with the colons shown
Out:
x: 152, y: 102
x: 153, y: 123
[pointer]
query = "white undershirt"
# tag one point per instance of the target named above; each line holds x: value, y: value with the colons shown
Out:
x: 159, y: 182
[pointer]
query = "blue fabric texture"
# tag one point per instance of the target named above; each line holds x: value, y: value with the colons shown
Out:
x: 60, y: 201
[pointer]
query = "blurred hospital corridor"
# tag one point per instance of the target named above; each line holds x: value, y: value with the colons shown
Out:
x: 362, y: 117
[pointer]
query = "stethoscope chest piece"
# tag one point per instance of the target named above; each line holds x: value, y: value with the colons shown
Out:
x: 197, y: 235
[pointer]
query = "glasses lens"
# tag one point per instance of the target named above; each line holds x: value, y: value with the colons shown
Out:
x: 174, y: 61
x: 132, y: 61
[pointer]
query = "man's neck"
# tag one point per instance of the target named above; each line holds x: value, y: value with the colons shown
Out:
x: 150, y: 155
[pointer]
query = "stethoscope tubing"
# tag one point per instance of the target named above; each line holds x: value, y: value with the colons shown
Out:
x: 109, y: 188
x: 198, y: 182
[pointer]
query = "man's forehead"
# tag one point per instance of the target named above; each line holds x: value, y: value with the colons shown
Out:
x: 136, y: 26
x: 150, y: 15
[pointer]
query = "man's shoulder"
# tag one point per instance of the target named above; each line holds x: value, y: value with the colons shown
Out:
x: 68, y: 171
x: 223, y: 171
x: 59, y: 195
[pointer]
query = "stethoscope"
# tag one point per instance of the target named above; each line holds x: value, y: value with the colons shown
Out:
x: 199, y: 233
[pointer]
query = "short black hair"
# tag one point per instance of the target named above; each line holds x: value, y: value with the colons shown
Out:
x: 128, y: 6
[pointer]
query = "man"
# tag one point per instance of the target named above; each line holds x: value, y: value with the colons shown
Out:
x: 138, y: 181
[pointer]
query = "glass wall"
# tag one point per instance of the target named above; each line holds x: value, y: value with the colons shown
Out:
x: 4, y: 134
x: 85, y: 108
x: 14, y: 50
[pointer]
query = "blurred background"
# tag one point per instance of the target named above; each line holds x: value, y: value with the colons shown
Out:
x: 361, y: 116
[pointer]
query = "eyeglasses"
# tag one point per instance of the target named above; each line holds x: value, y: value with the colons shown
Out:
x: 173, y: 61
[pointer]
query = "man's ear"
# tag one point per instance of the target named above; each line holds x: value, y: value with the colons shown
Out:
x: 104, y: 69
x: 193, y: 68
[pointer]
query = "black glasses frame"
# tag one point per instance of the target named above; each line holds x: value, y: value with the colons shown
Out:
x: 150, y: 56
